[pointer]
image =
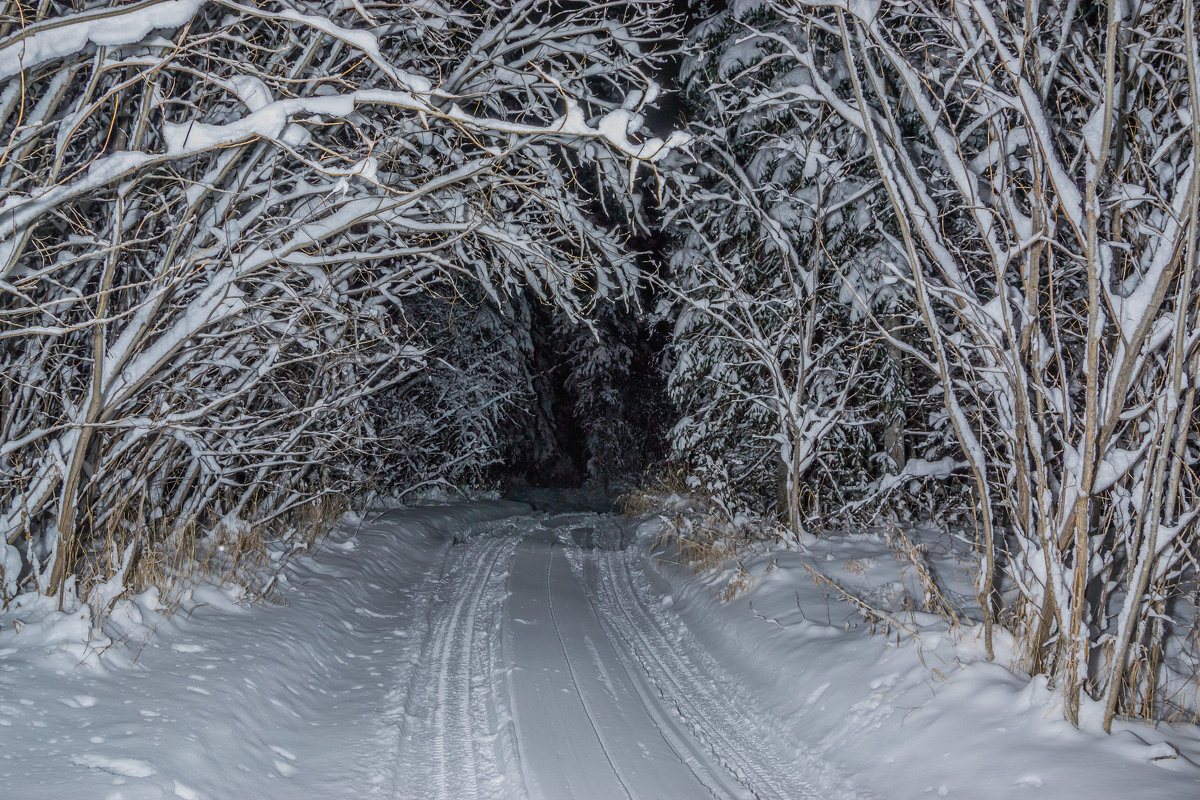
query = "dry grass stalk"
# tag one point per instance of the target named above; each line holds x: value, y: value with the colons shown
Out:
x: 873, y: 616
x: 859, y: 566
x: 916, y: 556
x: 649, y: 498
x: 739, y: 584
x: 704, y: 538
x: 173, y: 555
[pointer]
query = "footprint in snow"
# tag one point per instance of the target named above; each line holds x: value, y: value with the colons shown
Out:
x: 279, y: 751
x: 185, y: 792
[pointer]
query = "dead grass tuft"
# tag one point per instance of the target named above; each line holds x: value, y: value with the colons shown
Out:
x: 708, y: 542
x: 173, y: 555
x: 650, y: 498
x: 696, y: 531
x: 859, y: 566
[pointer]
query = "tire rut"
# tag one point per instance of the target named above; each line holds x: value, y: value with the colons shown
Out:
x: 450, y: 745
x: 690, y: 691
x: 471, y: 714
x: 575, y: 680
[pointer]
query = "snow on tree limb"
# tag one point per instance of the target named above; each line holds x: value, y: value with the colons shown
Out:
x: 219, y: 217
x: 1040, y: 227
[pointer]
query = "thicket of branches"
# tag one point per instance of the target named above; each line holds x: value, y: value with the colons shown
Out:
x: 245, y: 248
x: 786, y: 392
x: 254, y: 255
x: 1020, y: 186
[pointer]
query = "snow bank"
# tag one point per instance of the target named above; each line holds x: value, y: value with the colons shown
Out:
x: 909, y: 717
x: 227, y: 699
x: 232, y: 700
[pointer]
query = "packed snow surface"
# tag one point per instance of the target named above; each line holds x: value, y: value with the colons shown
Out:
x: 487, y: 650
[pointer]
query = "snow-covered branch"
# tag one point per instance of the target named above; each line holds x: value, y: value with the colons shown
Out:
x: 218, y: 221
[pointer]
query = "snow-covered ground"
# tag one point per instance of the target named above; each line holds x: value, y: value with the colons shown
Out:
x: 920, y: 712
x: 487, y: 650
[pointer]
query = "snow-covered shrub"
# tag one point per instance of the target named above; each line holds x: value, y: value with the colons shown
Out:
x: 450, y: 424
x: 218, y: 219
x: 615, y: 390
x: 1042, y: 170
x: 787, y: 392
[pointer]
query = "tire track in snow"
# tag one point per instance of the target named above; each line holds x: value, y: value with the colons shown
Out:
x: 448, y: 741
x: 690, y: 751
x: 587, y: 724
x: 550, y: 670
x: 668, y: 662
x: 574, y: 675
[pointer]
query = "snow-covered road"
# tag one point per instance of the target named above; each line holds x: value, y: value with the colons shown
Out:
x: 484, y: 650
x: 550, y: 670
x: 466, y: 651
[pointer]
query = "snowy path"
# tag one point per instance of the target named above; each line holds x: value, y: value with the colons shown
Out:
x: 548, y: 672
x: 480, y: 651
x: 468, y: 652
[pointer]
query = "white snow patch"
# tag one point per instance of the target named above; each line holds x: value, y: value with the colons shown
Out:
x: 228, y: 699
x: 125, y: 767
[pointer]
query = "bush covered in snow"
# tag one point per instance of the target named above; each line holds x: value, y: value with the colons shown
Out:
x: 1010, y: 195
x: 236, y: 240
